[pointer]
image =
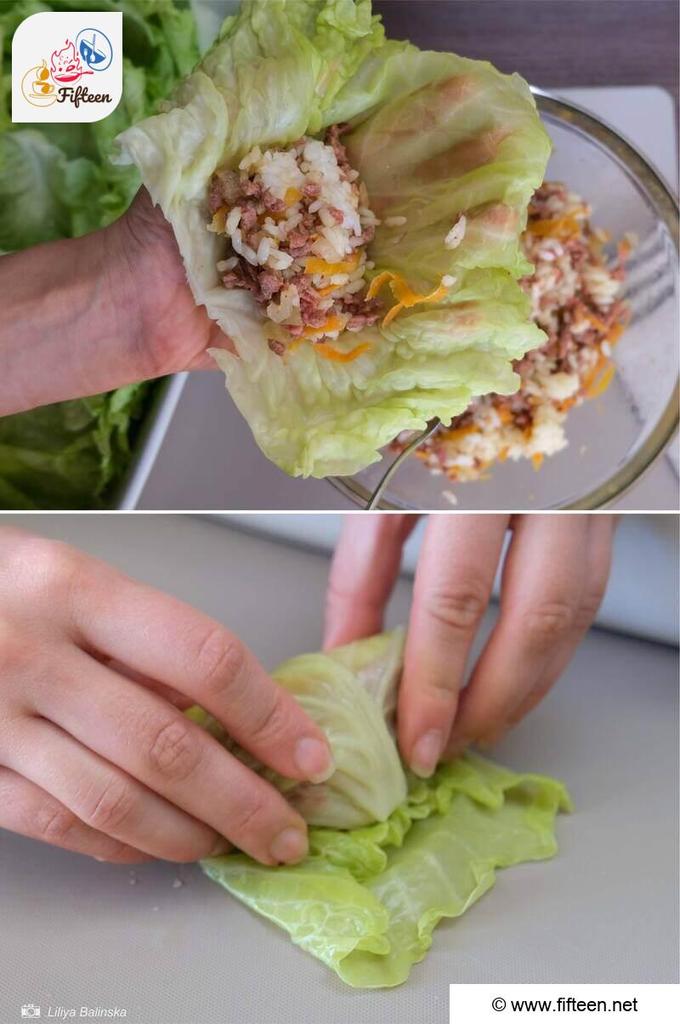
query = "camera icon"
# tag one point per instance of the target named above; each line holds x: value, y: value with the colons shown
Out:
x: 30, y: 1010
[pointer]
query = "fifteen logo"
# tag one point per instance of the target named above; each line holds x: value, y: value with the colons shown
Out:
x: 83, y: 80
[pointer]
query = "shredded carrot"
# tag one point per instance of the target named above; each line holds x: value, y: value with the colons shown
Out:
x: 556, y: 227
x: 537, y: 460
x: 292, y: 196
x: 407, y: 297
x: 327, y: 351
x: 327, y: 291
x: 314, y: 265
x: 600, y: 377
x: 624, y: 248
x: 566, y: 404
x: 595, y: 321
x: 615, y: 333
x: 504, y: 414
x: 458, y: 432
x: 390, y: 315
x: 599, y: 384
x: 219, y: 219
x: 333, y: 323
x: 377, y: 283
x: 601, y: 364
x: 403, y: 293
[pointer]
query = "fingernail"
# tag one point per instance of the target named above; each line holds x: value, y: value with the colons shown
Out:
x: 426, y: 753
x: 314, y: 759
x: 289, y: 846
x: 220, y: 847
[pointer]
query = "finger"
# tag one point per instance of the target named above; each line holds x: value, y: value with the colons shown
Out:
x: 165, y: 639
x: 102, y: 796
x: 455, y: 574
x: 541, y: 592
x: 179, y: 700
x: 29, y: 811
x: 153, y: 743
x: 364, y: 570
x: 598, y: 565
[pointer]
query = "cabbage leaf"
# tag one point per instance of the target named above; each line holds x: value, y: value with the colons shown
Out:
x: 434, y: 136
x: 366, y: 902
x: 367, y: 899
x: 351, y: 693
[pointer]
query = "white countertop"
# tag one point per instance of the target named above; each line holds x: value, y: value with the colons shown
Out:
x: 75, y: 932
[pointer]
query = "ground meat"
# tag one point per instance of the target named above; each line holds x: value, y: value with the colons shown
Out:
x: 234, y: 279
x: 359, y: 320
x: 519, y: 408
x: 367, y: 235
x: 271, y: 282
x: 364, y: 313
x: 271, y: 203
x: 464, y: 420
x: 305, y: 288
x: 247, y: 190
x: 225, y: 190
x: 263, y: 285
x: 299, y: 243
x: 311, y: 314
x: 566, y: 343
x: 214, y: 195
x: 522, y: 419
x: 251, y: 188
x: 358, y: 303
x: 332, y: 139
x: 248, y: 218
x: 578, y: 252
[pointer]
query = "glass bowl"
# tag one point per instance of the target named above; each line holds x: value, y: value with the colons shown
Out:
x: 614, y: 438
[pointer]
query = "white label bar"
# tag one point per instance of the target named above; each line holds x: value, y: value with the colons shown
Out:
x: 563, y: 1004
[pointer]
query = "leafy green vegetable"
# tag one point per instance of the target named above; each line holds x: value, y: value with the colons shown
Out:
x: 351, y: 694
x: 366, y: 900
x: 57, y: 181
x: 434, y: 137
x: 66, y: 455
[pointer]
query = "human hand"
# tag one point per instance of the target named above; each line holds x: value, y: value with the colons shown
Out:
x: 173, y: 333
x: 86, y: 315
x: 554, y: 578
x: 95, y: 755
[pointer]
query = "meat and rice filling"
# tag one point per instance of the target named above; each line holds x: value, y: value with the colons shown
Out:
x: 575, y: 299
x: 297, y: 222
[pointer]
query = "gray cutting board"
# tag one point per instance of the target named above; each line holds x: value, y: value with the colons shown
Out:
x: 74, y: 932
